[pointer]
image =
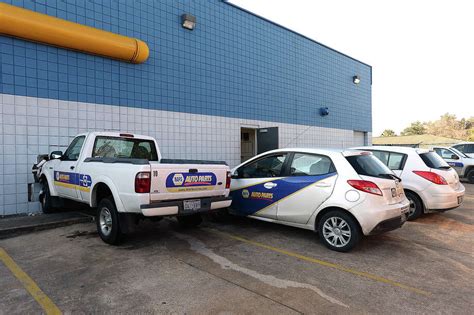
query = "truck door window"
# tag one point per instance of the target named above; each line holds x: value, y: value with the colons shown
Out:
x: 74, y: 149
x: 270, y: 166
x: 310, y: 165
x: 130, y: 148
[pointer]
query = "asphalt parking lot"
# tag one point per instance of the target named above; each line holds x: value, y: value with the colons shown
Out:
x: 243, y: 266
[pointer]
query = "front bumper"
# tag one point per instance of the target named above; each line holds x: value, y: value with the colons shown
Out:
x: 175, y: 207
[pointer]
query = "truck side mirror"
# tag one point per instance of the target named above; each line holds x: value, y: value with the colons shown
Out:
x: 454, y: 157
x: 56, y: 155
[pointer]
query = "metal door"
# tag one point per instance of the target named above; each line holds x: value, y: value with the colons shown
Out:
x: 267, y: 139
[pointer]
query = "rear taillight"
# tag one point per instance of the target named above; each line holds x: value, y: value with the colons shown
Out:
x: 143, y: 182
x: 227, y: 180
x: 432, y: 177
x: 365, y: 186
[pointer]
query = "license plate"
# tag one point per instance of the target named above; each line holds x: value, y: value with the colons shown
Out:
x: 459, y: 200
x: 192, y: 204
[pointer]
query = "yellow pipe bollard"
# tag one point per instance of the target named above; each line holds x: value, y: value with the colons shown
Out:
x: 42, y: 28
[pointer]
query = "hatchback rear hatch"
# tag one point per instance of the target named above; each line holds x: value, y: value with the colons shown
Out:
x: 372, y: 170
x: 439, y: 167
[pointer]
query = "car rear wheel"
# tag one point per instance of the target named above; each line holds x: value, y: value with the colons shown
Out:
x: 416, y: 207
x: 107, y: 220
x: 190, y: 220
x: 339, y: 231
x: 470, y: 176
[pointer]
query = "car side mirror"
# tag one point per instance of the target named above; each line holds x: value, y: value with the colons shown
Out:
x: 454, y: 157
x: 236, y: 174
x: 56, y: 155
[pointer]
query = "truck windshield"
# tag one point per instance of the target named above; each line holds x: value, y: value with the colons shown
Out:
x: 369, y: 165
x: 129, y: 148
x: 433, y: 160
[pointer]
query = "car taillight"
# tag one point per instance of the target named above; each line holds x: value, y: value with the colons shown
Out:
x: 365, y: 186
x: 143, y: 182
x: 227, y: 181
x: 432, y: 177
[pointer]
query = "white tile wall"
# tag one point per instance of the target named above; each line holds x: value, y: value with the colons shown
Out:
x: 31, y: 126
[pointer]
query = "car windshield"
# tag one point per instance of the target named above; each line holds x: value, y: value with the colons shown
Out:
x: 433, y: 160
x: 458, y: 152
x: 369, y: 165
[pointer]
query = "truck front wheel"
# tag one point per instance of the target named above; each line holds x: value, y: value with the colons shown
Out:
x: 107, y: 220
x: 190, y: 220
x: 45, y: 198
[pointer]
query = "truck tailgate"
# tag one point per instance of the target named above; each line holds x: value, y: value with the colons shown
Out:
x: 186, y: 181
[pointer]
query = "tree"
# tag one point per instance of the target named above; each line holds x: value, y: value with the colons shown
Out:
x: 388, y: 133
x: 416, y: 128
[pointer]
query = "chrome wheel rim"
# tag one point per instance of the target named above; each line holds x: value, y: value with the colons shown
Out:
x: 105, y: 220
x: 336, y: 231
x: 412, y: 209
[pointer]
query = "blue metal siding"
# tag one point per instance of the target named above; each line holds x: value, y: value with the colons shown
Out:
x: 233, y: 64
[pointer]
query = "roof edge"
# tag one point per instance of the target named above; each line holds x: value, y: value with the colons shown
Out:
x: 294, y: 32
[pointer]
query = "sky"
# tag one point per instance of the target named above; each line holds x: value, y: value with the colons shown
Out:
x: 421, y: 52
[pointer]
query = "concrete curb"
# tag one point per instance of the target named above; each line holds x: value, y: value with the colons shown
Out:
x: 32, y: 226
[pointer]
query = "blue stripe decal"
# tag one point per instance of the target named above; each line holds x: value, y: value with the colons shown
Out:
x: 456, y: 164
x: 249, y: 200
x: 82, y: 180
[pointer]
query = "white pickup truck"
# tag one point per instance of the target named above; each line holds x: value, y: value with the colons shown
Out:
x: 124, y: 176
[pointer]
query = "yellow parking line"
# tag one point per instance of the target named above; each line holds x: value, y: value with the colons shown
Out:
x: 48, y: 306
x: 325, y: 263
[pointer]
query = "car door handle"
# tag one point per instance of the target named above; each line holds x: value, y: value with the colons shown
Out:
x: 72, y: 167
x: 323, y: 185
x: 270, y: 185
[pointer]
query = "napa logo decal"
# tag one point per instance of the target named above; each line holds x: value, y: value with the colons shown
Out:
x: 261, y: 195
x: 177, y: 182
x: 178, y: 179
x: 78, y: 181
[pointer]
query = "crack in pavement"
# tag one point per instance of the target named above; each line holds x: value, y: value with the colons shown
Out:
x: 202, y: 249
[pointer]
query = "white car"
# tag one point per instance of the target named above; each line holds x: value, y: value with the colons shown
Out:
x: 466, y: 148
x: 430, y: 183
x: 125, y: 177
x: 340, y: 194
x: 462, y: 163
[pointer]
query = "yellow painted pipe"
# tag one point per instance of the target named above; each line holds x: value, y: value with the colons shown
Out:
x: 42, y: 28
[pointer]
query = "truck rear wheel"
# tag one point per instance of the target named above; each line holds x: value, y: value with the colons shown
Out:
x: 190, y: 220
x: 107, y: 220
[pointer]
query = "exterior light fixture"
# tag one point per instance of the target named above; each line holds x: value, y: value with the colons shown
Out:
x: 324, y: 111
x: 356, y: 79
x: 188, y: 21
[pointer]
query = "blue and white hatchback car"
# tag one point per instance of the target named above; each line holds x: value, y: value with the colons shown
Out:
x: 341, y: 194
